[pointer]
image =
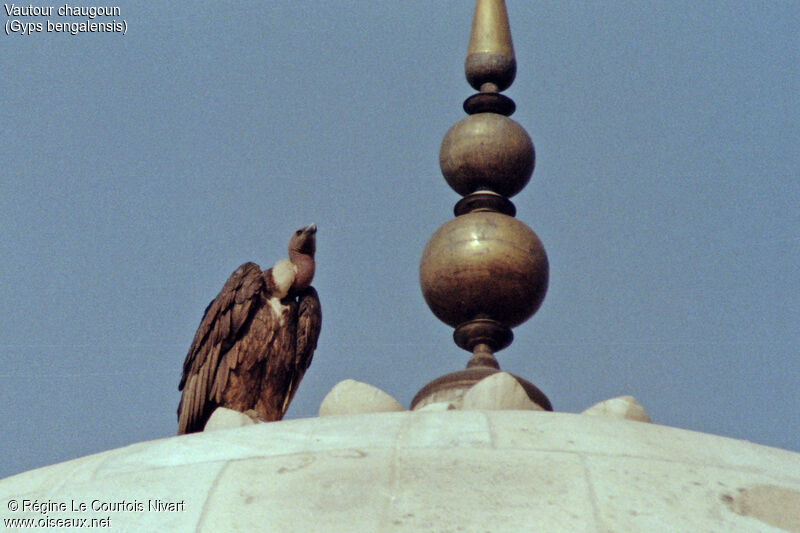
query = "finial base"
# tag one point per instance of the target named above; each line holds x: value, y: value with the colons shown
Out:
x: 452, y: 387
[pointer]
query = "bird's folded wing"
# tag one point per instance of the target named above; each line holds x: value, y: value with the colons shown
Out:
x: 309, y: 323
x: 224, y: 320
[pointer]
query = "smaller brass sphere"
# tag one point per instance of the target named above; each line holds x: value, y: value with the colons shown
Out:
x: 487, y: 151
x: 484, y: 265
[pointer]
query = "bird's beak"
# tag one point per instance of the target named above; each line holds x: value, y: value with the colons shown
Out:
x: 312, y: 229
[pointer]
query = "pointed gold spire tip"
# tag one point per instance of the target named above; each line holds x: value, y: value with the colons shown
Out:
x: 490, y: 65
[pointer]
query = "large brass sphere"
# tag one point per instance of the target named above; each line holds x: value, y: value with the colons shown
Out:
x: 487, y: 151
x: 484, y: 265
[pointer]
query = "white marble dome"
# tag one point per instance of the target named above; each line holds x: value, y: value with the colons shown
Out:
x: 443, y: 471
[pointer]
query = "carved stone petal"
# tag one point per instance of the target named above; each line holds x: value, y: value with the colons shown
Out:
x: 500, y: 391
x: 350, y: 397
x: 625, y: 407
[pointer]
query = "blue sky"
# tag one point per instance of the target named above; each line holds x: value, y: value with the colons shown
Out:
x: 140, y: 170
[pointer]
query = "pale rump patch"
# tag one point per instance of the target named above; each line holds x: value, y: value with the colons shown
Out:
x: 283, y: 276
x: 278, y: 308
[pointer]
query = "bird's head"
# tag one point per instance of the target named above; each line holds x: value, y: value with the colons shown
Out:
x: 303, y: 241
x: 302, y: 246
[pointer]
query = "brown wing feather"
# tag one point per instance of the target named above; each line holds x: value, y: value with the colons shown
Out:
x: 263, y: 369
x: 309, y: 323
x: 225, y: 320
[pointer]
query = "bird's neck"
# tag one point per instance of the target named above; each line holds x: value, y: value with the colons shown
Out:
x: 304, y: 274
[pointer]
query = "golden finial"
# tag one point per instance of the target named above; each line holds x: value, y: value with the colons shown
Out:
x: 490, y: 65
x: 484, y: 272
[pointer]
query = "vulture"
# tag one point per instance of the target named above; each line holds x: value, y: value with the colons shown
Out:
x: 255, y: 341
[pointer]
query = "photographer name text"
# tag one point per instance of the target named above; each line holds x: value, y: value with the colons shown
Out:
x: 97, y: 505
